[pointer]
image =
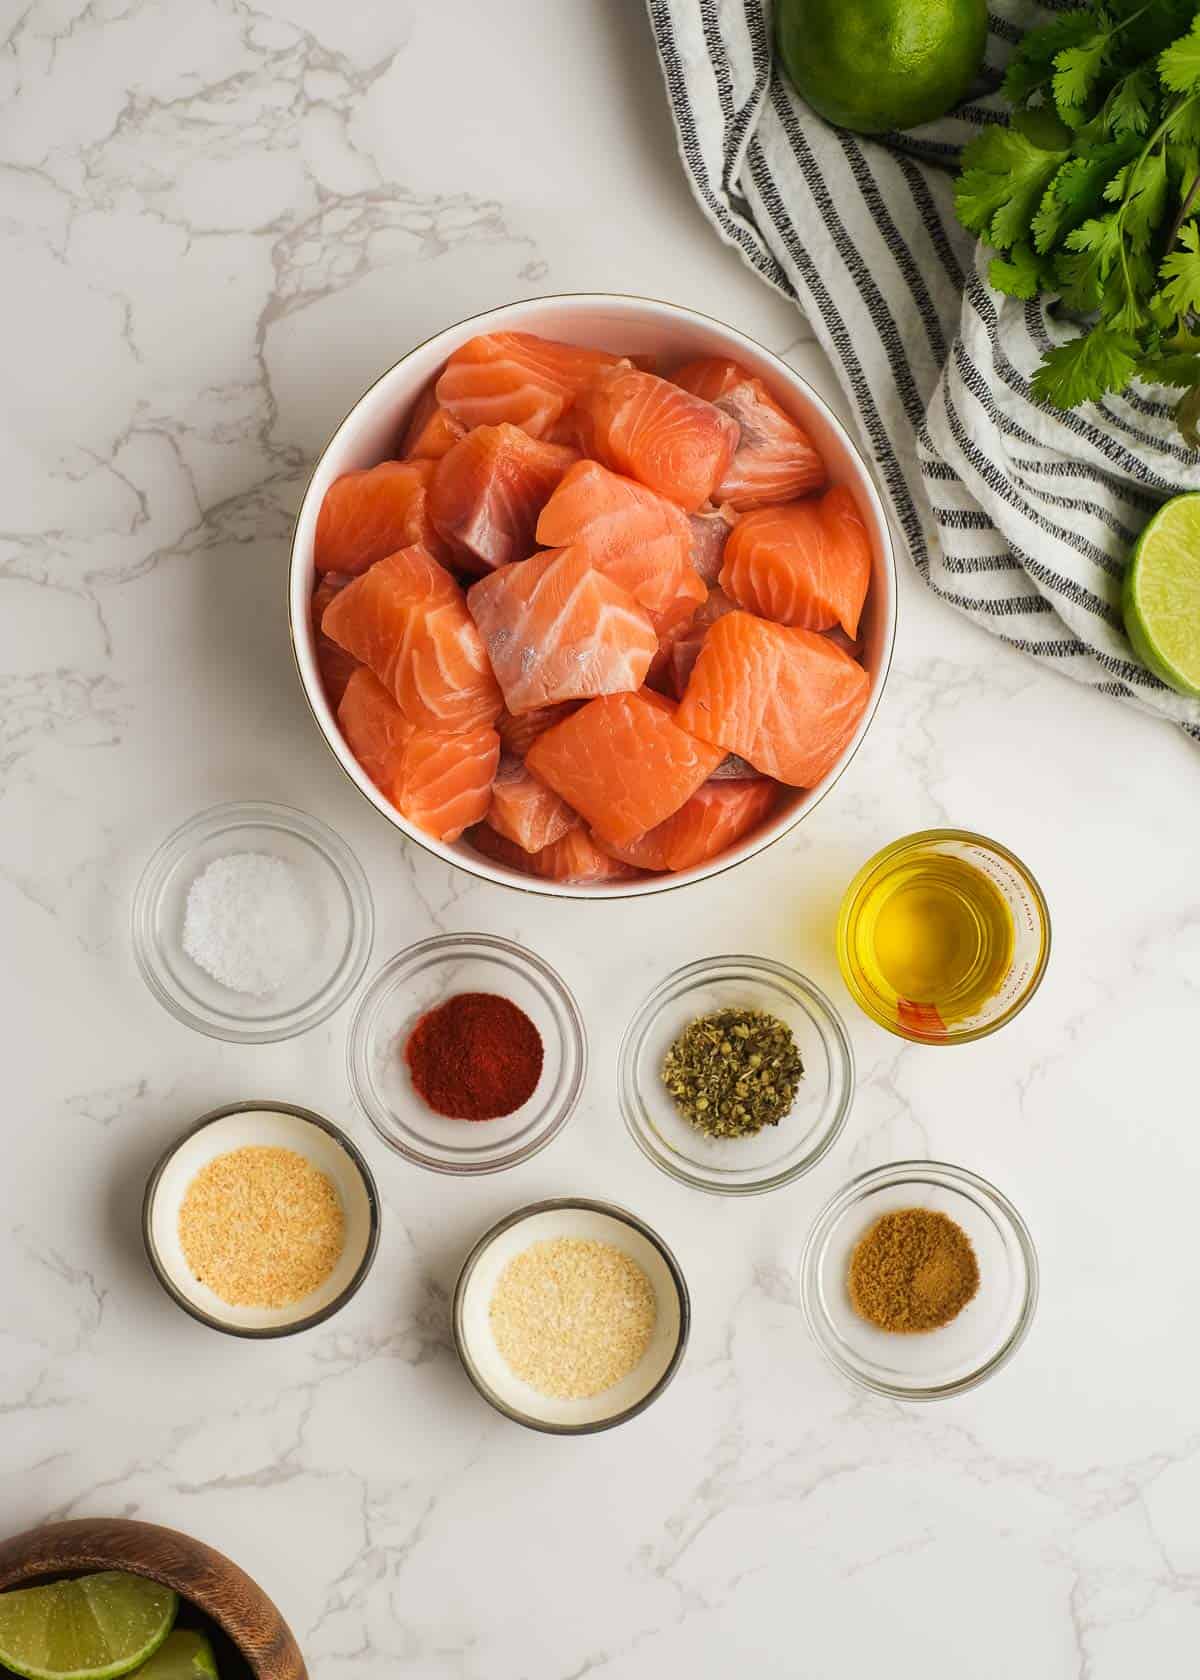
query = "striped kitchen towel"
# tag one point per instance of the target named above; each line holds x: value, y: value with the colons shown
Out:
x: 1020, y: 515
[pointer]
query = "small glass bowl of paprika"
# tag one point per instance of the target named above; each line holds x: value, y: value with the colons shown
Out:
x: 475, y: 1024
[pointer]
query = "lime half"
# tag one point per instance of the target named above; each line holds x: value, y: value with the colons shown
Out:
x: 1161, y: 598
x: 183, y: 1655
x: 91, y: 1629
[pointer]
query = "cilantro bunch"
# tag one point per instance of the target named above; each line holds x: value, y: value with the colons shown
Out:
x: 1090, y: 195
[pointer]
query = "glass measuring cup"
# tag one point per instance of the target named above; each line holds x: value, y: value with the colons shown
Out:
x: 943, y: 936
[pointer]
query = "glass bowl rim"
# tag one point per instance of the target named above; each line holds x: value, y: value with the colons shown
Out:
x: 273, y: 1332
x: 552, y: 1205
x: 938, y: 1174
x: 174, y: 848
x: 867, y: 1001
x: 447, y: 945
x: 805, y: 993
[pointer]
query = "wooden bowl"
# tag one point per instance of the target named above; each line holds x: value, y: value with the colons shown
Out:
x: 203, y: 1578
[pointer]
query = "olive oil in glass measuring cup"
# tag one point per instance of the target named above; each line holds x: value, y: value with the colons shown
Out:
x: 943, y: 936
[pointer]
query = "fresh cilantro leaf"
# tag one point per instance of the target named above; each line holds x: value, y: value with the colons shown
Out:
x: 1181, y: 272
x: 1086, y: 368
x: 1183, y: 123
x: 1146, y: 199
x: 1132, y: 102
x: 1077, y: 71
x: 1019, y: 274
x: 1004, y: 177
x: 1116, y: 189
x: 1179, y: 369
x: 1179, y: 65
x: 1031, y: 66
x: 1044, y: 127
x: 1084, y: 266
x: 1098, y: 174
x: 1129, y: 284
x: 1076, y: 191
x: 1183, y: 166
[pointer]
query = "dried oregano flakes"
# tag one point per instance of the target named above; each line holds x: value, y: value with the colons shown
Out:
x: 733, y: 1072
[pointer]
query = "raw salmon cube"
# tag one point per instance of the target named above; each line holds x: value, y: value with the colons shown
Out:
x: 679, y: 649
x: 786, y: 700
x: 516, y: 378
x: 775, y: 458
x: 432, y: 431
x: 368, y: 515
x: 710, y: 532
x: 557, y: 629
x: 524, y: 809
x: 652, y: 430
x: 334, y: 663
x: 575, y: 857
x: 805, y: 563
x: 488, y: 491
x: 716, y: 817
x: 441, y: 782
x: 517, y: 734
x: 406, y: 618
x: 623, y: 763
x: 633, y: 535
x: 445, y: 781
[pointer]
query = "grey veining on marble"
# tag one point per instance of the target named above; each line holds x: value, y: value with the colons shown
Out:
x: 218, y: 222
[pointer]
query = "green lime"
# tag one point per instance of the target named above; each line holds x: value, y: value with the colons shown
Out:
x: 1161, y: 598
x: 91, y: 1629
x: 874, y: 65
x: 183, y: 1655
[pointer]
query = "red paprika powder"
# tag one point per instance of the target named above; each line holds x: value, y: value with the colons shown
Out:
x: 475, y: 1057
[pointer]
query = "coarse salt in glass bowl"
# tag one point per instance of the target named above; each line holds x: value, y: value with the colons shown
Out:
x: 416, y: 981
x: 326, y: 958
x: 777, y: 1154
x: 930, y: 1364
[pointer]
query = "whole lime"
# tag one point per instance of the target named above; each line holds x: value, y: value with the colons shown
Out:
x: 874, y: 65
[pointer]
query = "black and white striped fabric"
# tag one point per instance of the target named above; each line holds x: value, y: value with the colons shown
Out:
x: 1017, y: 514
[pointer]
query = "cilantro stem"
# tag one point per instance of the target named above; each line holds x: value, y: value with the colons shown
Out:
x: 1182, y: 216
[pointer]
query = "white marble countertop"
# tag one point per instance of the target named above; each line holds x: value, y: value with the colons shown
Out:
x: 218, y: 222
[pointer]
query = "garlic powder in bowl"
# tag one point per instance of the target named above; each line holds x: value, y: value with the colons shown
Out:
x: 571, y: 1316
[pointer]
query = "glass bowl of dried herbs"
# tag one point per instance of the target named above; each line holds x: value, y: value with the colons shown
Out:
x: 735, y: 1075
x: 919, y: 1280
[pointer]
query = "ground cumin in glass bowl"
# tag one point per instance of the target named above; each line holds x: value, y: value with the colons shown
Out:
x: 418, y: 980
x: 929, y: 1364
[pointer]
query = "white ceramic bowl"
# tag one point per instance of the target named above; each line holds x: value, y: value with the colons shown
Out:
x: 635, y: 325
x: 264, y: 1125
x: 593, y: 1222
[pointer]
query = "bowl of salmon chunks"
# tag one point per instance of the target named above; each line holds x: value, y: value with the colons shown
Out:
x: 592, y: 596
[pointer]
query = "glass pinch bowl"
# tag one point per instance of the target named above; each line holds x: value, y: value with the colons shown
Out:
x: 930, y: 1364
x: 331, y: 887
x: 417, y: 980
x: 777, y: 1154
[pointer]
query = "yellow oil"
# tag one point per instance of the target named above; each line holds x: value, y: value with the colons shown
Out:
x: 935, y: 931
